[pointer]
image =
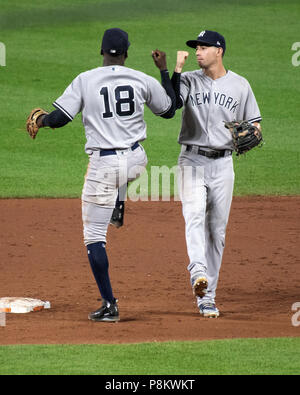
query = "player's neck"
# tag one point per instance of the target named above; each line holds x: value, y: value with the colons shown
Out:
x: 216, y: 71
x: 109, y: 60
x: 112, y: 62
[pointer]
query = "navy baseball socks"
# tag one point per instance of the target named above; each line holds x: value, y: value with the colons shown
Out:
x: 109, y: 311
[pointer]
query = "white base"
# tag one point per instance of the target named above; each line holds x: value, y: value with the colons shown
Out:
x: 22, y: 305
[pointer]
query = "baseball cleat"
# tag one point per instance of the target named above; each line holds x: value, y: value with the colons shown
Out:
x: 200, y: 287
x: 209, y: 310
x: 109, y: 312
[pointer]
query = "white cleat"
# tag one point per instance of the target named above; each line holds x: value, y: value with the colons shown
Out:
x: 209, y: 310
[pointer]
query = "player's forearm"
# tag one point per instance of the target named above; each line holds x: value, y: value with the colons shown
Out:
x: 180, y: 61
x: 178, y: 68
x: 56, y: 119
x: 167, y: 84
x: 176, y: 86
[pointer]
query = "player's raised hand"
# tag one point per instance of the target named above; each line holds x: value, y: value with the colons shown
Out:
x: 181, y: 58
x: 160, y: 59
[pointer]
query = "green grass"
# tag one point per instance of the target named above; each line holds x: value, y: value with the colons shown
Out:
x: 48, y: 43
x: 240, y: 356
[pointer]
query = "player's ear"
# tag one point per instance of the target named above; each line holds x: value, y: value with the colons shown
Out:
x: 220, y: 52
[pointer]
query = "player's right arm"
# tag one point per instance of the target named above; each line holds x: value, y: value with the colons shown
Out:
x: 176, y: 78
x: 181, y: 59
x: 154, y: 100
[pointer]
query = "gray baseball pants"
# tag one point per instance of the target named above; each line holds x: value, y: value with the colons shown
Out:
x: 104, y: 177
x: 205, y: 189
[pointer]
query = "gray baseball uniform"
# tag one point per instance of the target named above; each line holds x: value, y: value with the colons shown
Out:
x: 111, y: 100
x: 208, y: 103
x: 206, y: 183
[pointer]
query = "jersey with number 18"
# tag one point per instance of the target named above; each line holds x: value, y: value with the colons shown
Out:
x: 111, y: 100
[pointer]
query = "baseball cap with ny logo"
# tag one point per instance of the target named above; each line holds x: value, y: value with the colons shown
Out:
x: 210, y: 38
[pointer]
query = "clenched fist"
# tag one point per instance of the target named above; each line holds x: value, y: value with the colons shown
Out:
x: 160, y: 60
x: 181, y: 58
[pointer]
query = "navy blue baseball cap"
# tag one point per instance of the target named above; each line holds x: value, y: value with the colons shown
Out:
x: 115, y: 42
x: 209, y: 38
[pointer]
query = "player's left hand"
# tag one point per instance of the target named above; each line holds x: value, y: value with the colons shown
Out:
x: 181, y: 59
x: 160, y: 59
x: 245, y: 135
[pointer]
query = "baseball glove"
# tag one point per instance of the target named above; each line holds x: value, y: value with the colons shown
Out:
x: 245, y: 136
x: 31, y: 123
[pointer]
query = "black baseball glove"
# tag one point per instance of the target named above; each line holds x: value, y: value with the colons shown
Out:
x: 245, y: 136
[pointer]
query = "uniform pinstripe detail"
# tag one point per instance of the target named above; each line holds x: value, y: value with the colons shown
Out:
x: 59, y: 107
x: 257, y: 119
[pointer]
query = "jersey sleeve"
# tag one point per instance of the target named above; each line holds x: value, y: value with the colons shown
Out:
x: 251, y: 112
x: 70, y: 102
x: 184, y: 87
x: 157, y: 99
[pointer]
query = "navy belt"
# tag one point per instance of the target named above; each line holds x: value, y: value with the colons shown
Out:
x: 105, y: 152
x: 209, y: 154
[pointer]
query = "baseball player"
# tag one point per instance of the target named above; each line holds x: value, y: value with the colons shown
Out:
x: 111, y: 99
x: 209, y: 97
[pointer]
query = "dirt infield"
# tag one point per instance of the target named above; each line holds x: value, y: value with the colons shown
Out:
x: 42, y: 256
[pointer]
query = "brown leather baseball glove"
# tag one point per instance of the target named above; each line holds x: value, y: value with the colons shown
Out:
x: 245, y: 136
x: 31, y: 123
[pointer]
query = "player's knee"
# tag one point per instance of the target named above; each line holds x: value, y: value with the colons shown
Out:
x: 194, y: 220
x: 217, y: 235
x: 95, y: 222
x: 94, y: 232
x: 92, y: 235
